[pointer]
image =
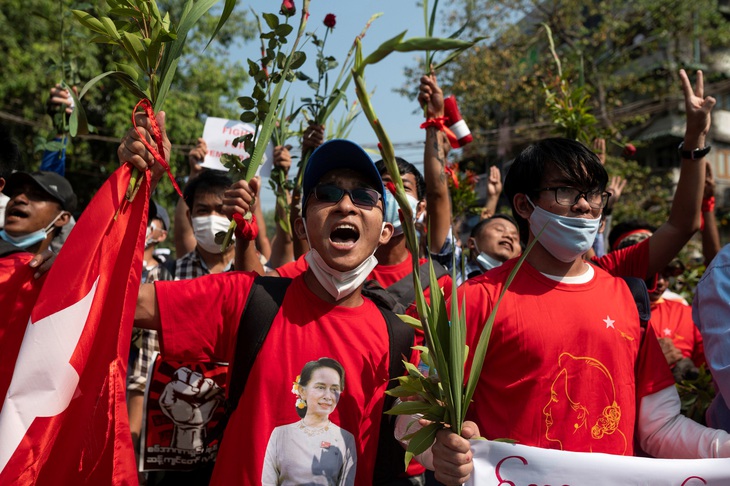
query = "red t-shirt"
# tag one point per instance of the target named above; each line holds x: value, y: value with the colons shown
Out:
x: 673, y: 320
x: 292, y: 269
x: 632, y: 261
x: 561, y: 366
x: 305, y: 329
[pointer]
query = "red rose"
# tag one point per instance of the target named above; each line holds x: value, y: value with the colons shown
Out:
x: 329, y: 21
x: 629, y: 150
x: 288, y: 8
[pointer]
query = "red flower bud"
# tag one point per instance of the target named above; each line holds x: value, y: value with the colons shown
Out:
x: 391, y: 187
x: 629, y: 150
x: 330, y: 21
x: 288, y: 8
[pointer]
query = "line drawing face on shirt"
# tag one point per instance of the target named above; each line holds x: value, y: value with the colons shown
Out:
x: 592, y: 409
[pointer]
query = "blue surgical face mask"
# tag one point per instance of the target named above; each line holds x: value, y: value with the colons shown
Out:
x: 26, y: 241
x: 564, y: 237
x: 391, y: 211
x: 485, y: 261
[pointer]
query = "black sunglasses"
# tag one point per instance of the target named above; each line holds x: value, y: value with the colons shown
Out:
x: 363, y: 197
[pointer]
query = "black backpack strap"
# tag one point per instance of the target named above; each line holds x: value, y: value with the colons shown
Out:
x: 641, y: 297
x: 8, y: 248
x: 390, y: 456
x: 403, y: 290
x: 263, y: 303
x: 382, y: 298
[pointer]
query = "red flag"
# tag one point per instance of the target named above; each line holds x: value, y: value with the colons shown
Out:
x: 64, y: 417
x: 18, y: 293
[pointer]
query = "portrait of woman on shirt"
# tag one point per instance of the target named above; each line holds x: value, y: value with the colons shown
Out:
x: 313, y: 450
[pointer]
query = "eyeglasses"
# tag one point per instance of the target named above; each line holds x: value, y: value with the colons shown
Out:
x: 568, y: 196
x: 363, y: 197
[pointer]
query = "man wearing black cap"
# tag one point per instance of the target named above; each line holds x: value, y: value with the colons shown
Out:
x: 322, y: 314
x: 39, y: 206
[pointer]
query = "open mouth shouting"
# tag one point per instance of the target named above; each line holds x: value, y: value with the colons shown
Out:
x: 507, y: 244
x: 344, y: 236
x: 14, y: 214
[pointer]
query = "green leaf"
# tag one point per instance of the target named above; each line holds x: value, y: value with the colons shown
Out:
x: 136, y: 49
x: 284, y: 30
x: 432, y: 23
x: 128, y: 69
x: 124, y: 12
x: 272, y: 20
x: 246, y: 102
x: 110, y: 28
x: 431, y: 44
x: 77, y: 120
x: 409, y: 408
x: 383, y: 50
x: 415, y: 323
x: 421, y: 441
x: 263, y: 106
x: 298, y: 59
x: 192, y: 12
x: 90, y: 22
x: 121, y: 77
x: 228, y: 7
x: 248, y: 116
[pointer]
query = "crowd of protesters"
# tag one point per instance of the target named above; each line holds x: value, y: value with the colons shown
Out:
x: 589, y: 340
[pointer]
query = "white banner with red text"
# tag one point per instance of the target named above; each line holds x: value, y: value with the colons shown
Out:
x: 504, y: 464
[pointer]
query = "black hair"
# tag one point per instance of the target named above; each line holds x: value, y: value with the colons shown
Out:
x: 405, y: 167
x: 209, y: 181
x: 625, y: 227
x: 571, y: 159
x: 306, y: 375
x: 478, y: 227
x: 10, y: 159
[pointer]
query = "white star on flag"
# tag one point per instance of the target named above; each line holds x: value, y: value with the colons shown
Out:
x: 667, y: 331
x: 44, y: 381
x: 609, y: 322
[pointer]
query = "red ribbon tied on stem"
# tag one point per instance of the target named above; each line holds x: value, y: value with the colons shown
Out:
x: 246, y: 229
x: 440, y: 123
x: 157, y: 153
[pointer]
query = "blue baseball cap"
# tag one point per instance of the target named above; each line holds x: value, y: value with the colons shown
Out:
x: 340, y: 154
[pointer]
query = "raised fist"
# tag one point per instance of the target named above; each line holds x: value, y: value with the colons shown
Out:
x: 190, y: 400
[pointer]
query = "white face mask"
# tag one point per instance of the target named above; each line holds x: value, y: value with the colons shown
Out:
x: 339, y: 284
x: 26, y: 241
x: 148, y: 241
x: 485, y: 261
x: 205, y: 229
x: 564, y: 237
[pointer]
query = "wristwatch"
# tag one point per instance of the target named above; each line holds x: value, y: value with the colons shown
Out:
x: 695, y: 154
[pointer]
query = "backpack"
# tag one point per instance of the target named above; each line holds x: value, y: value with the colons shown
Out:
x: 262, y: 305
x: 401, y: 294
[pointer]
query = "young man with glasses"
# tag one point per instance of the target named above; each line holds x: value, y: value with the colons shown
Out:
x: 323, y: 314
x: 567, y: 367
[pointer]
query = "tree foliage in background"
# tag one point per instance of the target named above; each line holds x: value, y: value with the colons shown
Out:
x: 625, y: 51
x: 31, y: 45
